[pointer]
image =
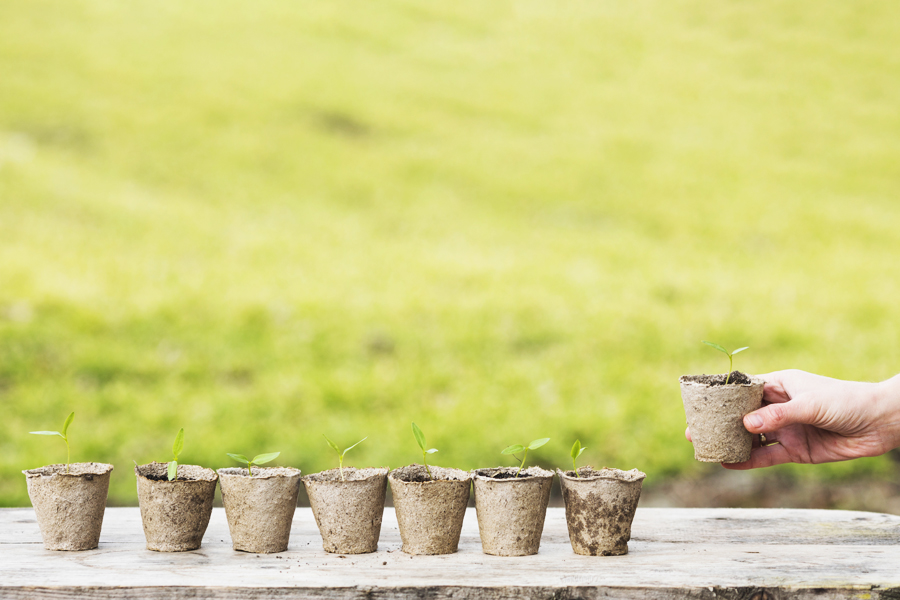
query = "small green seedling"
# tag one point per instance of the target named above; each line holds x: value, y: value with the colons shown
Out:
x: 575, y: 453
x: 177, y: 447
x: 730, y: 356
x: 420, y: 439
x: 259, y: 459
x: 516, y: 448
x: 63, y: 435
x: 341, y: 454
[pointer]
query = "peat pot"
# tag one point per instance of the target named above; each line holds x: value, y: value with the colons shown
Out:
x: 260, y: 509
x: 69, y: 505
x: 348, y: 511
x: 715, y: 413
x: 600, y: 507
x: 511, y: 509
x: 430, y: 511
x: 175, y: 513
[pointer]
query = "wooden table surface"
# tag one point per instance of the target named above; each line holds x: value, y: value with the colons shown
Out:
x: 674, y: 553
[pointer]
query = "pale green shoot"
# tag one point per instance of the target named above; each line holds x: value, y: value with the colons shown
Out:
x: 575, y: 453
x: 516, y: 448
x: 177, y: 447
x: 63, y: 435
x: 420, y: 439
x: 341, y: 454
x: 259, y: 459
x: 730, y: 356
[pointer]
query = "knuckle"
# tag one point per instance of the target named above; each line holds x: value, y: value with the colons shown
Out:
x: 777, y: 416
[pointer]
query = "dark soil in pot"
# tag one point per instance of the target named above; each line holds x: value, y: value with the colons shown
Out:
x: 430, y: 512
x: 175, y: 513
x: 260, y: 509
x: 511, y: 509
x: 715, y: 413
x: 69, y: 505
x: 348, y: 512
x: 600, y: 507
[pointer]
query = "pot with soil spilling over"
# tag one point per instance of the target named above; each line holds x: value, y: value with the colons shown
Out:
x: 69, y: 501
x: 600, y: 507
x: 430, y: 504
x: 348, y: 505
x: 260, y: 507
x: 511, y: 506
x: 176, y: 511
x: 715, y: 413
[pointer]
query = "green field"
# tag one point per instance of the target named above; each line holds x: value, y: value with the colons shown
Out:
x: 265, y: 221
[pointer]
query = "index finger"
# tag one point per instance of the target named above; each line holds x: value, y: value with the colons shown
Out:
x: 773, y: 388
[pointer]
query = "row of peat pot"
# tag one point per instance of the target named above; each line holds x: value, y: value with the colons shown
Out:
x: 347, y: 504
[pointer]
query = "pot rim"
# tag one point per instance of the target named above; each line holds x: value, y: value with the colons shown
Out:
x: 536, y: 474
x: 469, y: 475
x: 754, y: 381
x: 615, y: 476
x: 206, y: 470
x: 224, y: 472
x: 379, y: 472
x: 104, y: 469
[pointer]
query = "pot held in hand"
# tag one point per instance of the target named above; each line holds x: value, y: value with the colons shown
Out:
x: 175, y: 513
x: 348, y: 510
x: 430, y: 508
x: 715, y: 414
x: 511, y: 509
x: 600, y: 507
x: 69, y: 502
x: 260, y: 509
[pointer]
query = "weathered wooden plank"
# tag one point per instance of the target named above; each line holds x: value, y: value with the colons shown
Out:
x: 674, y: 553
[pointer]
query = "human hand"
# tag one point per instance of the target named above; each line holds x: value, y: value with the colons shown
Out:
x: 808, y: 418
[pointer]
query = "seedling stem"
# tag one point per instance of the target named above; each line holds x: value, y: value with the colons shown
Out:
x: 730, y: 356
x: 259, y: 459
x: 63, y: 435
x: 420, y: 439
x: 341, y: 454
x: 516, y: 448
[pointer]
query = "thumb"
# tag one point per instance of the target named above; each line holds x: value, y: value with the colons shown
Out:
x: 776, y: 416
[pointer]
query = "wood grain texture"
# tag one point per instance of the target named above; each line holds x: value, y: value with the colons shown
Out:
x: 745, y: 554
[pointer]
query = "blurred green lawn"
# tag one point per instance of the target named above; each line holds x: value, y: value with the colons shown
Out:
x: 265, y: 221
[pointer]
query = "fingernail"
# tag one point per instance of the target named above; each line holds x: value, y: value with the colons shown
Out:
x: 754, y: 421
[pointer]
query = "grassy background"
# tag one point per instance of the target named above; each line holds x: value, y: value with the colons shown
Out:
x: 504, y: 221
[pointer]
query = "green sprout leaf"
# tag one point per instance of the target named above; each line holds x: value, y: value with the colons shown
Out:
x: 420, y: 437
x: 716, y: 346
x: 516, y: 448
x: 332, y: 444
x: 68, y: 422
x: 356, y: 444
x: 239, y: 457
x: 261, y: 459
x: 575, y: 453
x: 63, y: 435
x: 730, y: 356
x: 178, y: 446
x: 341, y: 454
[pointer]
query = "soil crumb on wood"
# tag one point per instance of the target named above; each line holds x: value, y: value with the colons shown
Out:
x: 735, y: 378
